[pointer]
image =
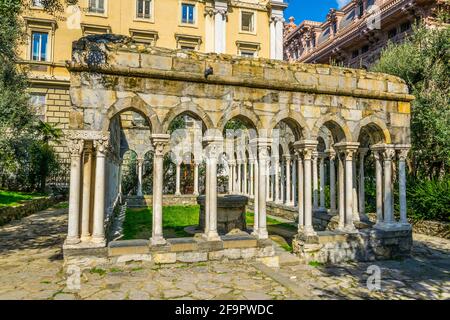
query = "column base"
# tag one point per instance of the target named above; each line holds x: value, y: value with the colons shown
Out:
x: 98, y: 241
x: 177, y: 193
x: 289, y: 204
x: 308, y: 231
x: 262, y: 234
x: 196, y: 194
x: 157, y: 241
x: 392, y: 226
x: 211, y: 236
x: 71, y: 241
x: 349, y: 228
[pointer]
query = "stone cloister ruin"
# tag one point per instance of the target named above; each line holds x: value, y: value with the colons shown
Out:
x: 309, y: 126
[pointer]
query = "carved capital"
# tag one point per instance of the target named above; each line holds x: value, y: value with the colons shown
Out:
x: 388, y: 154
x: 403, y: 154
x: 75, y: 147
x: 102, y: 145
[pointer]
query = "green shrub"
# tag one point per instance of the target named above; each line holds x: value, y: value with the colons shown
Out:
x: 429, y: 199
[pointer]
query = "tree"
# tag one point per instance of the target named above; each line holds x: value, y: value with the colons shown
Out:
x: 423, y: 62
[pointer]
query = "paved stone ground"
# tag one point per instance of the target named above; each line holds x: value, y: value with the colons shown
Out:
x: 31, y: 268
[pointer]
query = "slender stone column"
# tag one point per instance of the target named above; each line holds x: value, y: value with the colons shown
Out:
x: 139, y: 186
x: 267, y: 177
x: 388, y: 156
x: 212, y: 153
x: 301, y: 201
x: 231, y: 178
x: 322, y: 182
x: 245, y: 180
x: 178, y: 182
x: 87, y: 181
x: 355, y: 191
x: 307, y: 147
x: 349, y: 149
x: 256, y: 200
x: 402, y: 155
x: 294, y: 180
x: 332, y: 157
x: 239, y: 177
x: 98, y: 236
x: 341, y: 173
x: 196, y: 191
x: 282, y: 183
x: 315, y: 155
x: 120, y: 180
x: 288, y: 181
x: 263, y: 145
x: 378, y: 182
x: 252, y: 177
x: 362, y: 200
x: 277, y: 180
x: 76, y: 149
x: 159, y: 143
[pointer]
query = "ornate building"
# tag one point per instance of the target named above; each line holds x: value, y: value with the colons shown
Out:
x: 355, y: 35
x: 252, y: 28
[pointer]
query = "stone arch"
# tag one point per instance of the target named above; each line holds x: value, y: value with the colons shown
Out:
x: 336, y: 124
x: 249, y: 117
x: 294, y: 120
x: 375, y: 127
x: 135, y: 104
x: 190, y: 109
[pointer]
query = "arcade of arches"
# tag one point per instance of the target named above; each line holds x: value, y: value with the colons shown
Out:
x: 308, y: 129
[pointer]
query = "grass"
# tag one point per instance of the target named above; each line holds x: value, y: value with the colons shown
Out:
x: 138, y: 222
x: 315, y: 264
x: 271, y: 222
x: 61, y: 205
x: 12, y: 199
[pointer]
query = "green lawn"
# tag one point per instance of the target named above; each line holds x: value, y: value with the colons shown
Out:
x: 138, y: 222
x: 10, y: 198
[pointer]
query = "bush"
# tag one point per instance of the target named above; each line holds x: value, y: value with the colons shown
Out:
x: 429, y: 199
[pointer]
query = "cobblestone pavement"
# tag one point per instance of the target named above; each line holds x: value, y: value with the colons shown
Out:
x: 31, y: 268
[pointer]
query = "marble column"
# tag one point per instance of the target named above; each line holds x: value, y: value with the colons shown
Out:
x: 378, y: 184
x: 315, y: 156
x: 212, y: 154
x: 263, y: 151
x: 301, y: 201
x: 76, y: 149
x: 277, y: 180
x: 256, y: 199
x: 178, y: 180
x: 288, y: 181
x: 139, y: 186
x: 196, y: 190
x: 307, y: 171
x: 239, y: 177
x: 98, y: 235
x: 402, y: 155
x: 87, y: 182
x: 341, y: 185
x: 355, y: 202
x: 322, y: 182
x: 245, y: 180
x: 332, y: 157
x: 159, y: 143
x: 252, y: 177
x: 294, y: 181
x: 361, y: 189
x: 231, y: 178
x: 267, y: 178
x: 388, y: 156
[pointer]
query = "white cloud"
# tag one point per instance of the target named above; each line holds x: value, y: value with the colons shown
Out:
x: 342, y: 3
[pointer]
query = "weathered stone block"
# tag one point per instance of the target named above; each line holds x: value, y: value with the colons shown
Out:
x: 192, y: 256
x: 166, y: 257
x: 156, y: 62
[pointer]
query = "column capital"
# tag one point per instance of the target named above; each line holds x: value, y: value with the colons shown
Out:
x: 75, y: 147
x: 287, y: 157
x: 159, y: 142
x: 342, y: 146
x: 402, y: 151
x: 330, y: 153
x: 386, y: 150
x: 363, y: 151
x: 306, y: 144
x: 102, y: 145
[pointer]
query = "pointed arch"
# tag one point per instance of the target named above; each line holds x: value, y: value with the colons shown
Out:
x: 376, y: 126
x: 336, y: 124
x: 294, y: 120
x: 190, y: 109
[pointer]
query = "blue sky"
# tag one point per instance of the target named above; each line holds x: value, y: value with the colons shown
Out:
x: 315, y: 10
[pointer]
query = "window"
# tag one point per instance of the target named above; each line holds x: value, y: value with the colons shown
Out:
x: 143, y: 9
x: 39, y: 46
x: 37, y: 3
x: 392, y: 33
x: 248, y: 54
x: 188, y: 42
x: 97, y: 6
x: 355, y: 53
x: 360, y: 9
x: 248, y: 49
x: 405, y: 26
x: 37, y: 101
x: 247, y: 22
x: 364, y: 49
x: 187, y: 13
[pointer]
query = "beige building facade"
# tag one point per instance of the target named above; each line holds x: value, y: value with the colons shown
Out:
x: 236, y: 27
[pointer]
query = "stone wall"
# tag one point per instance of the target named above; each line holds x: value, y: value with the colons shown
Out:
x: 7, y: 214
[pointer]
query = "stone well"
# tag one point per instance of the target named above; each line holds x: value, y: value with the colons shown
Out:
x: 231, y: 210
